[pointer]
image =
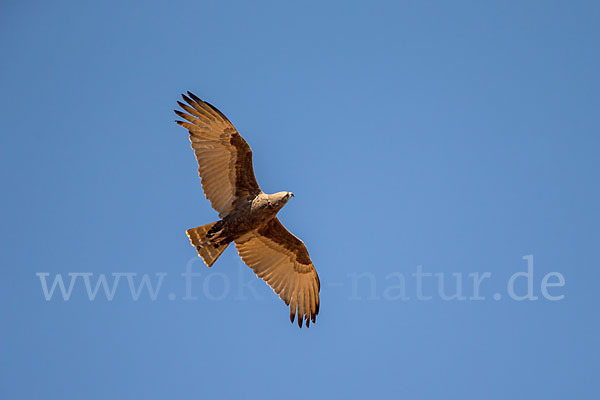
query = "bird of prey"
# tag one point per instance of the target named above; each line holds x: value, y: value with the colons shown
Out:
x: 248, y: 217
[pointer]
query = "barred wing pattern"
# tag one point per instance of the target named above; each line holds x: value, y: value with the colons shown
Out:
x: 224, y: 158
x: 282, y: 260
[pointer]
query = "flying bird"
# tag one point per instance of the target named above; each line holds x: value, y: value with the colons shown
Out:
x: 248, y: 217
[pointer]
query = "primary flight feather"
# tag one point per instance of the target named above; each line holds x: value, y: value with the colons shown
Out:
x: 248, y: 216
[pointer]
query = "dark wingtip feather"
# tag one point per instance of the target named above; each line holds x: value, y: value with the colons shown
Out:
x: 193, y: 96
x: 179, y: 122
x: 186, y: 99
x: 216, y: 110
x: 292, y: 317
x: 300, y: 321
x: 181, y: 114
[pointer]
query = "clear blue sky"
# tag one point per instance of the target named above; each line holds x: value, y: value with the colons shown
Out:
x: 456, y: 136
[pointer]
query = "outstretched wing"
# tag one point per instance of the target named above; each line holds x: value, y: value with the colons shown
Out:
x: 281, y: 260
x: 224, y: 157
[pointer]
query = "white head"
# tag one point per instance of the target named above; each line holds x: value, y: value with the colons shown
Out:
x: 279, y: 199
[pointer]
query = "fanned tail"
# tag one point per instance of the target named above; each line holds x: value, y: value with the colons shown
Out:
x: 207, y: 242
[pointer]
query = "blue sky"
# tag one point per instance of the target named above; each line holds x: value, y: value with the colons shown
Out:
x: 455, y: 136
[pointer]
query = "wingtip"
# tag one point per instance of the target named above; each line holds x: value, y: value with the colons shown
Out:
x: 215, y: 109
x: 193, y: 96
x: 187, y: 99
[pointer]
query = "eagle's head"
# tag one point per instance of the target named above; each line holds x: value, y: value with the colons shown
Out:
x: 279, y: 199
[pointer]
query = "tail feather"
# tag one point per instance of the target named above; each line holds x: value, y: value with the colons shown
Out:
x: 207, y: 243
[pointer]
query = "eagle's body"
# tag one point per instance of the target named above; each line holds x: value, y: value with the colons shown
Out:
x: 248, y: 216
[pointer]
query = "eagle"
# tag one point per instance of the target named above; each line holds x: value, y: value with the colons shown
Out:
x: 248, y: 216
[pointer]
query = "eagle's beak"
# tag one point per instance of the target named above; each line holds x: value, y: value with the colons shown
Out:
x: 292, y: 194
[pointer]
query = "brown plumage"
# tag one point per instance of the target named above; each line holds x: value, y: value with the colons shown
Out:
x: 248, y: 216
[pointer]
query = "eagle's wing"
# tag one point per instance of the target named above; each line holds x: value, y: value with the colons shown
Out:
x: 224, y: 157
x: 281, y: 260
